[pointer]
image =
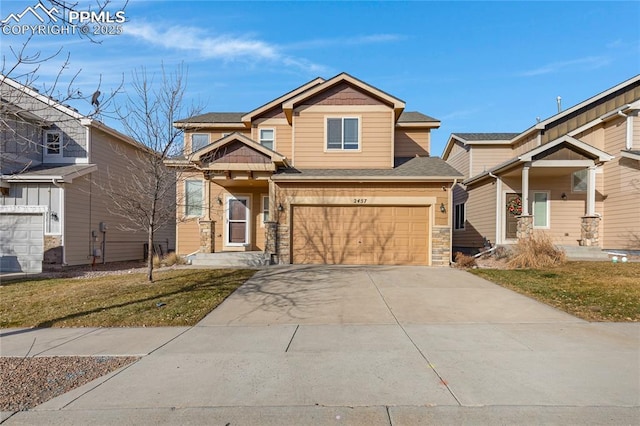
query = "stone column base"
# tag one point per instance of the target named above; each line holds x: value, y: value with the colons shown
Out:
x: 207, y: 236
x: 590, y: 231
x: 524, y: 228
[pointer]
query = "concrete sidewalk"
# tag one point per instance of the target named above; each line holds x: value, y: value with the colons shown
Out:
x: 362, y: 346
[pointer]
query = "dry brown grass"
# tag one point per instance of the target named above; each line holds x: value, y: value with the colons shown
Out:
x: 536, y: 252
x: 169, y: 260
x: 463, y: 261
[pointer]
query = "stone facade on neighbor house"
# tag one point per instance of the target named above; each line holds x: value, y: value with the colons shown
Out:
x: 333, y: 172
x: 54, y: 163
x: 575, y: 175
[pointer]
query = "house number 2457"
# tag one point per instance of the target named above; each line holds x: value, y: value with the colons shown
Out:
x: 359, y: 201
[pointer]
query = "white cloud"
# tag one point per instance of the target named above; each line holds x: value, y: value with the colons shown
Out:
x: 589, y: 62
x: 341, y: 41
x: 224, y: 47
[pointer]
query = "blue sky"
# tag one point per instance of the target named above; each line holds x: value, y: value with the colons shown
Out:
x: 476, y: 66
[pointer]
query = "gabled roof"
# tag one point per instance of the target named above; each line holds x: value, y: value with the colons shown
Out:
x: 247, y: 118
x: 406, y: 169
x: 42, y: 98
x: 416, y: 119
x: 397, y: 104
x: 275, y: 157
x: 597, y: 155
x: 478, y: 139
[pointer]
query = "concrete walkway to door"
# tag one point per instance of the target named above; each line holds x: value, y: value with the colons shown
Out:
x: 372, y: 346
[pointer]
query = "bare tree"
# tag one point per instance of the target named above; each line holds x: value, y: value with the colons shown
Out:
x: 145, y: 195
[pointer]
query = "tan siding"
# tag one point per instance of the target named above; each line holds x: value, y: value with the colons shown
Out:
x: 188, y: 237
x: 409, y: 143
x: 459, y: 160
x: 481, y: 222
x: 214, y: 135
x: 87, y: 204
x: 594, y: 137
x: 375, y: 142
x: 283, y: 134
x: 621, y: 222
x: 615, y: 135
x: 524, y: 145
x: 484, y: 157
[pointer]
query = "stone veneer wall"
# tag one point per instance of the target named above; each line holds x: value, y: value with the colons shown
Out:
x: 207, y: 236
x: 440, y: 246
x: 52, y: 250
x: 590, y: 231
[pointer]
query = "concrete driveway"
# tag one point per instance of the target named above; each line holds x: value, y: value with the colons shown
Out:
x: 372, y: 345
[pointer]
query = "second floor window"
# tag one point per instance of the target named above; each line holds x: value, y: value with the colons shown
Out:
x: 267, y: 138
x: 199, y: 140
x: 53, y: 143
x: 343, y: 133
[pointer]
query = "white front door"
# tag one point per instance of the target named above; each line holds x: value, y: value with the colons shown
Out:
x: 237, y: 220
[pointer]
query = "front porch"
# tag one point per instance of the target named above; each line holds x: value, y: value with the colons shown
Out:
x: 556, y: 189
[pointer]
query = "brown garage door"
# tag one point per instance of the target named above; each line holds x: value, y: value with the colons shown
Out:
x: 361, y: 235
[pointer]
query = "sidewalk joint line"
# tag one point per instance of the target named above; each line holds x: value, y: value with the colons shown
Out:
x: 424, y: 356
x: 292, y: 337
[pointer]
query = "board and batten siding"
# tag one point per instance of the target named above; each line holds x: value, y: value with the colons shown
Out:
x: 409, y: 143
x: 525, y: 145
x: 376, y: 138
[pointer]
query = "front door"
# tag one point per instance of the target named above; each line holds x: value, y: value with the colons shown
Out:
x: 513, y: 210
x: 237, y: 221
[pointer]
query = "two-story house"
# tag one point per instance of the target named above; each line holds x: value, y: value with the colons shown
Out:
x: 334, y: 171
x: 574, y: 176
x: 55, y: 164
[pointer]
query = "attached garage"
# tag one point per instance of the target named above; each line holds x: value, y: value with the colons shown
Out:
x: 21, y: 238
x: 361, y: 235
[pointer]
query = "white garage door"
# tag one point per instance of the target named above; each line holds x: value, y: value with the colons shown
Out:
x: 21, y: 242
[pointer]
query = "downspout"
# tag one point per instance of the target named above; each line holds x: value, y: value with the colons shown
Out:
x: 55, y: 182
x: 629, y: 136
x: 498, y: 220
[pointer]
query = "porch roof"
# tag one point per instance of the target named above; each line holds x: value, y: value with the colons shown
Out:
x: 592, y: 153
x: 633, y: 154
x: 62, y: 173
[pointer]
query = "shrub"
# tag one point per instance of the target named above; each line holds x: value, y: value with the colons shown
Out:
x: 173, y: 259
x: 536, y: 252
x: 463, y: 261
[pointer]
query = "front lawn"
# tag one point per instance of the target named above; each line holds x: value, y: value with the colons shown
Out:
x: 180, y: 297
x: 595, y: 291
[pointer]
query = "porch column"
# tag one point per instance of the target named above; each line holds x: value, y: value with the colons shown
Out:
x: 525, y: 190
x: 591, y: 191
x: 207, y: 199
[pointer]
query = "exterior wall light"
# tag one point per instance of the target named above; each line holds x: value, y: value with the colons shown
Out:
x: 443, y: 209
x: 280, y: 208
x: 563, y: 196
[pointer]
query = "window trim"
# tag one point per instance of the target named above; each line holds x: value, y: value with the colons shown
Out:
x: 273, y: 141
x: 264, y: 198
x: 456, y: 213
x: 208, y: 135
x: 186, y: 198
x: 59, y: 154
x: 548, y: 208
x: 342, y: 118
x: 573, y: 184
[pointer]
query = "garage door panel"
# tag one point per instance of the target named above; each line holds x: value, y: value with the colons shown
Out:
x: 360, y: 234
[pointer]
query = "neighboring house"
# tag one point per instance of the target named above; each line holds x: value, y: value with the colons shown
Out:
x: 574, y: 176
x: 334, y: 172
x: 54, y: 166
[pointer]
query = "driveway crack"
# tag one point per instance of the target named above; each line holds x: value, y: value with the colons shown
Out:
x: 292, y: 337
x: 422, y: 354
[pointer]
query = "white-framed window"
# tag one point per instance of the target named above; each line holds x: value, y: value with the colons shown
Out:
x: 579, y: 180
x: 459, y: 216
x: 199, y: 140
x: 540, y: 209
x: 193, y: 198
x: 343, y: 133
x: 53, y: 143
x: 265, y: 209
x: 268, y: 138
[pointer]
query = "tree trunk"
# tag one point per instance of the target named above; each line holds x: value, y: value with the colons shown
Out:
x: 150, y: 256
